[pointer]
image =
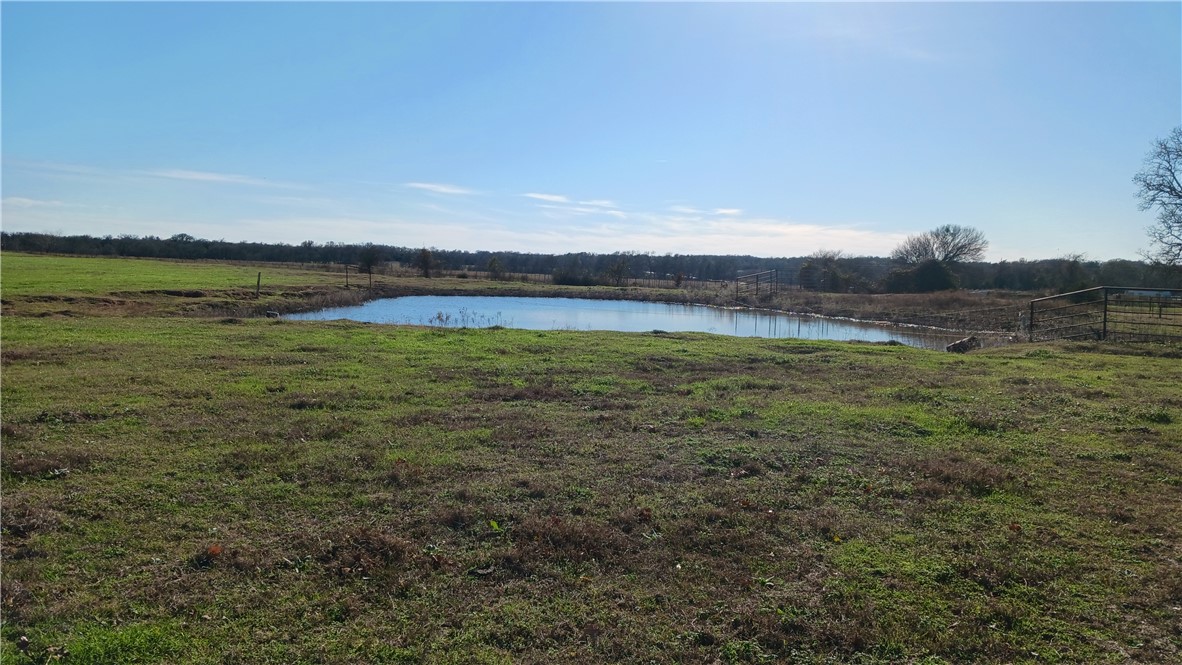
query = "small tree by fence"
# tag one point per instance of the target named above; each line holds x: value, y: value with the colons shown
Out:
x: 1108, y: 313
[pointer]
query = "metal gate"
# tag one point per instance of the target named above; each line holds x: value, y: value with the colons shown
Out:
x: 1108, y: 313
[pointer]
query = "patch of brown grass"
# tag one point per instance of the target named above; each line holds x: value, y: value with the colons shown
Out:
x: 951, y: 471
x: 22, y: 519
x: 566, y: 539
x: 30, y: 464
x: 361, y: 550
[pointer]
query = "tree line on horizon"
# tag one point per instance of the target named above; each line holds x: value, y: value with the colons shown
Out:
x: 830, y: 271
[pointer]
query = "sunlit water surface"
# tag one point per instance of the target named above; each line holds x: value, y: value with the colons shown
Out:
x: 619, y: 315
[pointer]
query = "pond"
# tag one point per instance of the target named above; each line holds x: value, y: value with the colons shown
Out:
x: 619, y: 315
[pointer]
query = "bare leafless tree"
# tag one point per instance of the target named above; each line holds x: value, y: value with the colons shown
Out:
x: 947, y: 244
x: 1160, y: 188
x: 827, y: 255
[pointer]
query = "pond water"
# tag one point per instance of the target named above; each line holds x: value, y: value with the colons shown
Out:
x: 619, y: 315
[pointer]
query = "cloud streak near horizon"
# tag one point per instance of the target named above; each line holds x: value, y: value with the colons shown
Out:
x: 22, y: 202
x: 206, y: 176
x: 56, y: 169
x: 439, y: 188
x: 552, y: 198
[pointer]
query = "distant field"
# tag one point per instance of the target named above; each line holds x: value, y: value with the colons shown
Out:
x: 28, y: 274
x: 187, y: 490
x: 42, y: 285
x: 68, y: 285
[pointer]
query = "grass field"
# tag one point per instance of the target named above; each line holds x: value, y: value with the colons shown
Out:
x: 68, y: 286
x: 35, y: 285
x: 208, y: 490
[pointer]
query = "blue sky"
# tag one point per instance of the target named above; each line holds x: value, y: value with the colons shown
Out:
x: 767, y: 129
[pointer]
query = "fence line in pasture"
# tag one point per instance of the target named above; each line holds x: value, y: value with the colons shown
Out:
x: 1108, y: 313
x: 1007, y: 319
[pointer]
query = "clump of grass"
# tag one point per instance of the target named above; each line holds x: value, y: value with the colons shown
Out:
x: 635, y: 518
x: 565, y: 539
x: 950, y: 471
x: 46, y: 465
x: 1157, y: 416
x: 362, y: 551
x: 136, y: 643
x: 456, y: 518
x: 404, y: 474
x: 22, y: 518
x: 986, y: 421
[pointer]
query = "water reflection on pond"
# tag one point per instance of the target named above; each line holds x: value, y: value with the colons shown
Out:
x: 619, y: 315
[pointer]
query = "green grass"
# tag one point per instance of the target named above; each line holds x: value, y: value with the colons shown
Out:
x: 69, y: 286
x: 29, y: 274
x: 39, y: 285
x: 180, y: 489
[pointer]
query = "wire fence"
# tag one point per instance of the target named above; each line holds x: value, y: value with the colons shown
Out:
x: 1108, y: 313
x: 1005, y: 319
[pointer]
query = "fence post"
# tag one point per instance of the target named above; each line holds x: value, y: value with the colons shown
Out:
x: 1030, y: 322
x: 258, y: 285
x: 1104, y: 333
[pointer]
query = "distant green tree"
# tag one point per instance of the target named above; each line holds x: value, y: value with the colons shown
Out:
x: 933, y: 275
x: 424, y: 261
x: 495, y: 269
x: 822, y: 272
x: 1071, y: 275
x: 369, y: 258
x: 618, y: 271
x: 928, y: 276
x: 809, y: 276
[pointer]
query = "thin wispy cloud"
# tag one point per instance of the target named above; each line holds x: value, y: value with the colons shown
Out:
x: 439, y: 188
x: 691, y: 210
x: 722, y: 235
x: 22, y: 202
x: 552, y: 198
x: 674, y: 230
x: 599, y: 203
x: 53, y: 168
x: 296, y: 201
x: 207, y: 176
x: 82, y: 171
x: 563, y: 211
